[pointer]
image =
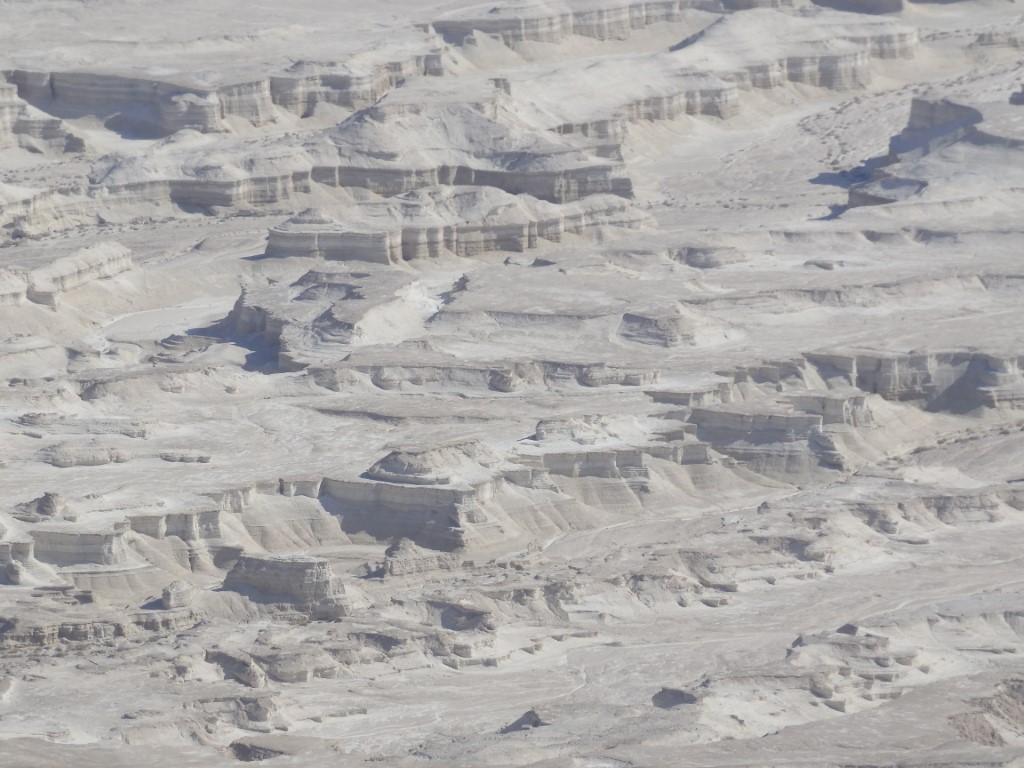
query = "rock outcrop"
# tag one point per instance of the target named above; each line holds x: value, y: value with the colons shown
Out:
x: 303, y: 582
x: 945, y: 141
x: 69, y: 545
x: 49, y: 506
x: 98, y: 262
x: 536, y: 22
x: 394, y: 148
x: 425, y: 223
x: 163, y: 107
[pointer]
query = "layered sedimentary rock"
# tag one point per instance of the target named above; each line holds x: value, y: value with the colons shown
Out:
x: 70, y: 546
x: 31, y: 128
x: 535, y: 22
x: 188, y: 526
x: 302, y: 581
x: 433, y: 466
x: 776, y: 420
x: 76, y: 454
x: 743, y: 480
x: 193, y: 170
x: 957, y: 381
x: 668, y: 327
x: 596, y: 116
x: 395, y: 148
x: 464, y: 221
x: 822, y: 48
x: 187, y: 170
x: 97, y: 262
x: 164, y: 107
x: 432, y: 515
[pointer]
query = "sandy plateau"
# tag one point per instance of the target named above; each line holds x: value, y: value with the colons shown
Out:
x: 565, y: 383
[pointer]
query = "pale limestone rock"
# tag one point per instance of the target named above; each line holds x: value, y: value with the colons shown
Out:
x: 177, y: 594
x: 99, y: 262
x: 49, y: 506
x: 425, y: 223
x: 67, y: 545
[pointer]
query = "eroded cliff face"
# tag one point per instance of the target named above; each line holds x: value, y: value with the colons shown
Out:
x: 595, y: 382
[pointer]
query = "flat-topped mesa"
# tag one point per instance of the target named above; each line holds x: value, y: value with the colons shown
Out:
x: 302, y: 581
x: 833, y: 64
x: 158, y: 106
x: 432, y: 496
x: 602, y: 127
x: 154, y: 106
x: 666, y: 327
x: 821, y: 48
x: 70, y: 545
x: 433, y: 516
x: 192, y: 170
x: 404, y: 558
x: 694, y: 397
x: 584, y: 430
x: 771, y: 416
x: 940, y: 381
x: 588, y: 447
x: 883, y: 38
x: 625, y: 463
x: 390, y: 151
x: 753, y: 424
x: 608, y: 95
x: 427, y: 222
x: 582, y: 446
x: 793, y: 384
x: 308, y: 84
x: 83, y: 624
x: 97, y: 262
x: 769, y: 437
x: 520, y: 22
x: 698, y: 97
x: 437, y: 465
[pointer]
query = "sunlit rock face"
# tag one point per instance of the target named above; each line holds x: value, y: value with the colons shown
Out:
x: 577, y: 383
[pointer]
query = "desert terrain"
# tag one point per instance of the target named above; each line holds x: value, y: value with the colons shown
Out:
x: 550, y: 383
